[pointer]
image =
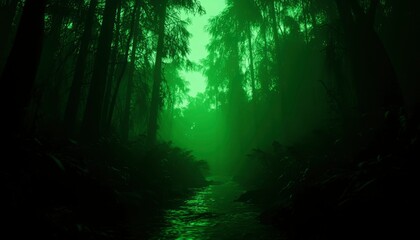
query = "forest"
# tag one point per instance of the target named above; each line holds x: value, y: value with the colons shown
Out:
x: 209, y: 119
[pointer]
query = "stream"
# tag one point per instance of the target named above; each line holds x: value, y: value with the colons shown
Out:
x: 212, y: 213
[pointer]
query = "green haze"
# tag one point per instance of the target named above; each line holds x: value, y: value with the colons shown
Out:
x: 198, y: 42
x: 209, y: 119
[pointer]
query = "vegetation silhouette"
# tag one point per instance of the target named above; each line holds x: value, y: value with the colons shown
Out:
x: 312, y: 106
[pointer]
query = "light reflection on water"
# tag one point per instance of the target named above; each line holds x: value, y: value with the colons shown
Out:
x: 212, y: 213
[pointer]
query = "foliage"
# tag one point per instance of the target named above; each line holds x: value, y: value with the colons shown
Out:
x: 61, y: 189
x: 325, y: 93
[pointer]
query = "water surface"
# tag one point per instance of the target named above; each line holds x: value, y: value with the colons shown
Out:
x: 212, y: 213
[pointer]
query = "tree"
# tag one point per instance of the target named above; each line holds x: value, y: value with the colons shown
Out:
x: 91, y: 125
x: 246, y: 14
x: 157, y: 74
x: 228, y: 78
x: 125, y: 125
x: 24, y: 55
x: 73, y: 102
x: 8, y: 11
x: 119, y: 77
x: 374, y: 76
x: 161, y: 9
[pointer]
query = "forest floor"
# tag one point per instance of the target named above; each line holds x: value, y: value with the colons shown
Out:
x: 60, y: 189
x: 331, y: 193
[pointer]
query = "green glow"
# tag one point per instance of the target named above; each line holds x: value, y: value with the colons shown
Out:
x: 196, y: 82
x: 212, y: 213
x: 200, y: 38
x: 209, y: 119
x: 189, y: 221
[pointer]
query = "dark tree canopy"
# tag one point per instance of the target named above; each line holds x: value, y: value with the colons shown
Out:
x: 169, y: 113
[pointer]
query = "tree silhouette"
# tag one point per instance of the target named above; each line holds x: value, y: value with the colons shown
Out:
x: 24, y: 55
x: 161, y: 9
x: 91, y: 126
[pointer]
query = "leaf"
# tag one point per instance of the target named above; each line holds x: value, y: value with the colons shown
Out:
x: 57, y: 161
x: 72, y: 141
x: 365, y: 185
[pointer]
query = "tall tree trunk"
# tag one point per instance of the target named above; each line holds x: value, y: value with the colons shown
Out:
x: 112, y: 71
x: 264, y: 76
x: 305, y: 16
x: 73, y: 102
x: 113, y: 102
x: 48, y: 63
x: 272, y: 12
x: 281, y: 85
x: 374, y: 76
x: 236, y: 92
x: 125, y: 123
x: 236, y: 99
x: 7, y: 14
x: 157, y: 78
x: 20, y: 70
x: 92, y: 118
x: 251, y: 62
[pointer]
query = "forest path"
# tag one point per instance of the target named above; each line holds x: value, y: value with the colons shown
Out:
x: 212, y: 213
